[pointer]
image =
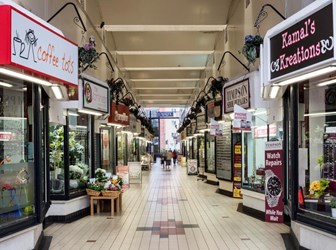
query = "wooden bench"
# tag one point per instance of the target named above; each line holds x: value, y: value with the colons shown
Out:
x: 98, y: 198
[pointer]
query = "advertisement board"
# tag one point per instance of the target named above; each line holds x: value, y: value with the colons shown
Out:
x: 274, y: 206
x: 122, y: 171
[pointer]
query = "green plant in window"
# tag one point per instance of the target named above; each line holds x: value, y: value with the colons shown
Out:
x: 75, y: 148
x: 320, y: 161
x: 56, y: 138
x: 333, y: 203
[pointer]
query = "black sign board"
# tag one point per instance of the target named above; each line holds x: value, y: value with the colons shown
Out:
x: 305, y: 43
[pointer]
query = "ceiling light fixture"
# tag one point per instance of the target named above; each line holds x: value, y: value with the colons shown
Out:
x: 308, y: 75
x: 274, y: 91
x: 326, y: 83
x: 321, y: 114
x: 24, y: 77
x: 57, y: 91
x: 89, y: 112
x: 4, y: 84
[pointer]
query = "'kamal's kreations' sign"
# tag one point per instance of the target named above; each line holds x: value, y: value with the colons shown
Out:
x: 307, y: 42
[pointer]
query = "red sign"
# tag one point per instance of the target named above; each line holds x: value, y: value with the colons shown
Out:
x: 119, y: 114
x: 274, y: 182
x: 29, y: 43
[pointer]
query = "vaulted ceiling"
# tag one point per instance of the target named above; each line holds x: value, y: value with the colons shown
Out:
x: 162, y: 47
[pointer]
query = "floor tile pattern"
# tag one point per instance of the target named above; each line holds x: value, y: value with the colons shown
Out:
x: 170, y: 210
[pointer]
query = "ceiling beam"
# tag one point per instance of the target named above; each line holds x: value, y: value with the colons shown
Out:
x: 165, y: 52
x: 160, y: 68
x: 166, y: 80
x: 164, y: 28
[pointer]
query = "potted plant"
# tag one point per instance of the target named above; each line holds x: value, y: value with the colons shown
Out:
x: 333, y: 207
x: 319, y: 189
x: 251, y: 48
x: 87, y: 54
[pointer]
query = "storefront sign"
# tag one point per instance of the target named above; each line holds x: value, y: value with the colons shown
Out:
x: 122, y: 171
x: 188, y: 131
x: 200, y: 121
x: 30, y: 45
x: 165, y: 114
x: 119, y: 114
x: 238, y: 94
x: 274, y: 182
x: 96, y: 97
x: 210, y: 110
x: 309, y: 41
x: 191, y: 167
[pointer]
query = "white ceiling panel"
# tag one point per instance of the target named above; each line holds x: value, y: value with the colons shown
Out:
x: 162, y: 47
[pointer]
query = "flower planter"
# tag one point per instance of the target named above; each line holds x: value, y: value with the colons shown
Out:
x: 92, y: 192
x: 110, y: 193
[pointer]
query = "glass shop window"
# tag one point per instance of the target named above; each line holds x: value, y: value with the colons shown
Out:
x: 78, y: 151
x: 17, y: 197
x: 317, y: 148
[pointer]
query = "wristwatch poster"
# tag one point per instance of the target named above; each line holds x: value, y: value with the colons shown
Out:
x: 274, y: 206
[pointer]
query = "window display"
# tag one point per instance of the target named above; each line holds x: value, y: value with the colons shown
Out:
x: 254, y: 158
x: 78, y: 152
x: 121, y: 147
x: 56, y: 139
x: 317, y: 141
x: 17, y: 199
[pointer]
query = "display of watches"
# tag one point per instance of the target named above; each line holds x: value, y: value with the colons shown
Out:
x: 273, y: 188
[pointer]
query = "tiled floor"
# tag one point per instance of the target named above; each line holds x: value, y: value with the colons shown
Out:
x: 170, y: 210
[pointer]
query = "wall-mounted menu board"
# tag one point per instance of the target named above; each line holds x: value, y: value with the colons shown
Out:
x: 223, y: 154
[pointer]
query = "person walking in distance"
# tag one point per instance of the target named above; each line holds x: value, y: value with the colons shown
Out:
x: 174, y: 157
x: 169, y: 158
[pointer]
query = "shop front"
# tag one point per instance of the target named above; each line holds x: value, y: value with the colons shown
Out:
x: 246, y: 127
x: 299, y: 62
x: 72, y: 151
x: 34, y: 58
x: 119, y: 119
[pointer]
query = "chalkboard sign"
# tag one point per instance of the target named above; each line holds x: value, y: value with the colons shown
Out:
x: 223, y: 154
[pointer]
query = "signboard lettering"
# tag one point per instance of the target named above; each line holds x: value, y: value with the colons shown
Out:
x: 274, y: 182
x: 237, y: 94
x: 305, y: 43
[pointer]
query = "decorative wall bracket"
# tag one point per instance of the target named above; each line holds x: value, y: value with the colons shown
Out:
x: 101, y: 53
x: 263, y: 14
x: 77, y: 19
x: 228, y: 52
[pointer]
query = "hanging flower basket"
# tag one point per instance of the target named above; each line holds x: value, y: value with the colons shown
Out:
x: 87, y: 54
x: 251, y: 48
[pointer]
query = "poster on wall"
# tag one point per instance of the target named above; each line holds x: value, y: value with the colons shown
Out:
x: 237, y: 169
x: 122, y: 171
x: 274, y: 182
x: 134, y: 170
x: 242, y: 119
x: 192, y: 167
x: 223, y: 153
